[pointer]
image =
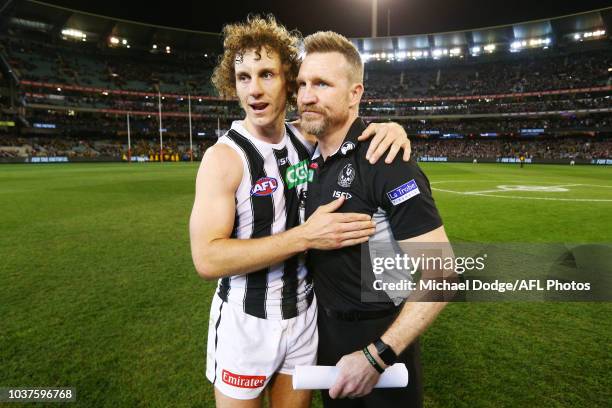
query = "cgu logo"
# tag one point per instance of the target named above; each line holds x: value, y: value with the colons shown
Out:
x: 298, y: 174
x: 264, y: 186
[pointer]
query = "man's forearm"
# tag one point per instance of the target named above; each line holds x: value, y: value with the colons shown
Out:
x: 423, y: 305
x: 228, y: 256
x: 412, y: 321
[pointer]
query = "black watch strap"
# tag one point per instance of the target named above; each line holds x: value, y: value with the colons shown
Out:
x: 385, y: 352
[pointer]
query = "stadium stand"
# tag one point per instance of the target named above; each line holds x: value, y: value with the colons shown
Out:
x: 462, y: 95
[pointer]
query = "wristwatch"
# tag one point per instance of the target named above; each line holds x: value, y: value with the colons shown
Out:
x: 386, y: 353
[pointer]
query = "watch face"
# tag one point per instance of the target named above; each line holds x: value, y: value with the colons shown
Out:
x: 385, y: 352
x: 381, y: 347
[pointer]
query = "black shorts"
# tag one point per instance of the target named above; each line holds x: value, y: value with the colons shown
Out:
x: 338, y: 338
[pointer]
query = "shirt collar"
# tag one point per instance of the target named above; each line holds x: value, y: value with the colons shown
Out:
x: 349, y: 143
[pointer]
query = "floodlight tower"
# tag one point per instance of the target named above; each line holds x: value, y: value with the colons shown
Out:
x: 374, y: 17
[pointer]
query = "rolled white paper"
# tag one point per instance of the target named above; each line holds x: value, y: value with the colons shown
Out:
x: 324, y: 377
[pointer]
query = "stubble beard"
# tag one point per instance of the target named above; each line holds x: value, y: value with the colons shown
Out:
x: 321, y: 126
x: 316, y: 127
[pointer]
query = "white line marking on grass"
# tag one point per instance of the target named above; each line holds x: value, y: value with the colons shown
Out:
x: 497, y: 190
x: 567, y: 185
x: 590, y: 200
x: 504, y: 188
x: 593, y: 185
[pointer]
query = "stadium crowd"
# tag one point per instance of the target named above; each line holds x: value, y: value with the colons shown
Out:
x: 540, y: 149
x: 547, y: 148
x: 545, y: 124
x: 60, y: 120
x: 567, y: 102
x: 72, y: 147
x: 518, y: 74
x: 532, y: 71
x: 489, y: 106
x: 86, y: 65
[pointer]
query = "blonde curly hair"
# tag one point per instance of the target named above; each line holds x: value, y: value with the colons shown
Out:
x: 257, y: 33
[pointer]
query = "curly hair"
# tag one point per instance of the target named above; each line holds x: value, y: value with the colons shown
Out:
x: 257, y: 33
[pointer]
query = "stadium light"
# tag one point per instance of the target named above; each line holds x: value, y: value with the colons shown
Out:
x: 154, y: 46
x: 589, y: 34
x: 115, y: 41
x: 401, y: 55
x: 534, y: 42
x: 517, y: 45
x: 489, y: 47
x: 73, y: 33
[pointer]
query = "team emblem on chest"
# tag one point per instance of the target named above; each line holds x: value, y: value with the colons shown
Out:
x: 346, y: 176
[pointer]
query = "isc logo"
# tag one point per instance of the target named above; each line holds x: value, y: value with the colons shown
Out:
x: 264, y: 186
x: 338, y: 194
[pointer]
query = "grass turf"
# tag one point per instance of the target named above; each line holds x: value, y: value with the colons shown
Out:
x: 99, y: 293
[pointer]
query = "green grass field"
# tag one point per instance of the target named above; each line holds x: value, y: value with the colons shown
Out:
x: 99, y: 293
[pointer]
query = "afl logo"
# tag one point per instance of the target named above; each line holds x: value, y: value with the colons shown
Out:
x: 264, y: 186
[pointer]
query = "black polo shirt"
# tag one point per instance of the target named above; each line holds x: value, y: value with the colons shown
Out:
x: 397, y: 195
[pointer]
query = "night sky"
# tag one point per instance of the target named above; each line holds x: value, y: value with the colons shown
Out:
x: 348, y: 17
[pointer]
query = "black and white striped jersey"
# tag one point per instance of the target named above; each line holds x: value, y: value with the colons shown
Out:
x: 268, y: 202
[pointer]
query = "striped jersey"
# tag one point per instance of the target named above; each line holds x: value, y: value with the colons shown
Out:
x: 268, y: 202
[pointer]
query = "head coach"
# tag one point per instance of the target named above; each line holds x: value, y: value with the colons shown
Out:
x: 361, y: 338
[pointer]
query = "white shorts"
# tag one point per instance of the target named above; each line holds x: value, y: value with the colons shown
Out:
x: 244, y: 351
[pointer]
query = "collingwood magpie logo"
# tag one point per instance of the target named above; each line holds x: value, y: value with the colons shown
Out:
x: 347, y: 147
x: 346, y: 176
